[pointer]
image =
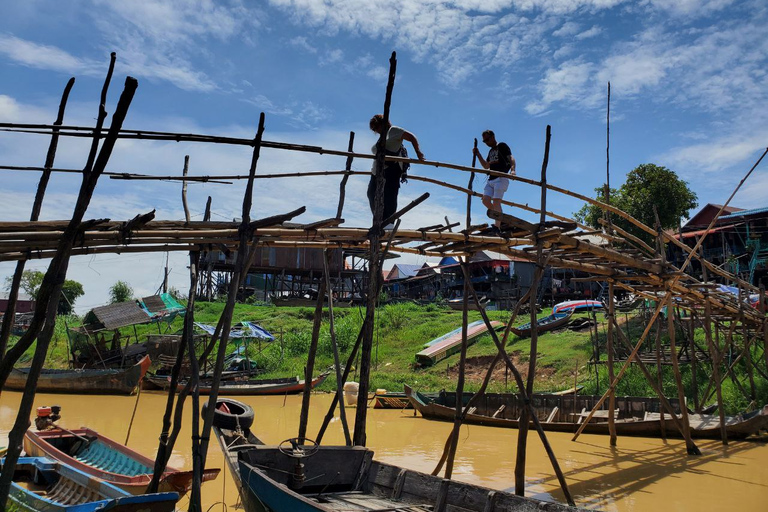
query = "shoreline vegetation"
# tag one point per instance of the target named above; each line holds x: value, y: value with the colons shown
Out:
x: 403, y: 328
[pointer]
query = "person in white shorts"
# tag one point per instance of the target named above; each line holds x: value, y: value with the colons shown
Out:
x: 499, y: 159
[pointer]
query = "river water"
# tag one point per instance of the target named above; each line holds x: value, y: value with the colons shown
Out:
x: 638, y: 475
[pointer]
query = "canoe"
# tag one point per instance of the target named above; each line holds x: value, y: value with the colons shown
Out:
x: 636, y: 416
x: 284, y: 386
x: 452, y: 344
x: 394, y: 400
x: 548, y: 323
x: 573, y: 305
x: 108, y: 460
x: 86, y: 381
x: 304, y: 478
x: 458, y: 304
x: 43, y: 485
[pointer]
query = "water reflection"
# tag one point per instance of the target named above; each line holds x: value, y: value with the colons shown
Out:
x: 637, y: 475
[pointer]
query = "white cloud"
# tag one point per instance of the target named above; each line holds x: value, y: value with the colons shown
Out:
x: 301, y: 43
x: 718, y: 154
x: 587, y: 34
x: 41, y: 56
x: 569, y: 28
x: 331, y: 57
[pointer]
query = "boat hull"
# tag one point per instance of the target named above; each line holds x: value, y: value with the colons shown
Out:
x: 702, y: 426
x: 117, y: 464
x: 548, y: 323
x: 290, y: 386
x: 88, y: 381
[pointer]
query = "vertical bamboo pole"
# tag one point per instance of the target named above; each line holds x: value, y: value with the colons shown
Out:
x: 715, y: 362
x: 13, y: 292
x: 50, y: 289
x: 694, y: 361
x: 334, y: 345
x: 765, y: 325
x: 361, y: 416
x: 309, y: 369
x: 689, y: 445
x: 611, y: 303
x: 348, y: 167
x: 522, y: 436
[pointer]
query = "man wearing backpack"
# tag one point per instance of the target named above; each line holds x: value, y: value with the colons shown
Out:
x: 500, y: 159
x: 393, y: 171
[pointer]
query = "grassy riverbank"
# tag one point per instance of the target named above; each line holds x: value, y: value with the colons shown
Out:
x: 401, y: 331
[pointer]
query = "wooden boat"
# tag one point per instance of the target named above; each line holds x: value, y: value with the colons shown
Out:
x: 458, y: 304
x: 574, y: 305
x: 635, y: 416
x: 87, y: 381
x: 548, y: 323
x: 304, y: 478
x: 43, y: 485
x: 284, y: 386
x: 108, y: 460
x: 383, y: 399
x: 452, y: 344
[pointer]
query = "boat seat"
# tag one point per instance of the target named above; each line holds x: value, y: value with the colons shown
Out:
x: 499, y: 410
x: 472, y: 410
x: 552, y: 415
x: 103, y: 457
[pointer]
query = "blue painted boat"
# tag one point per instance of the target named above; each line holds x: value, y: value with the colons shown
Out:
x: 44, y: 485
x: 548, y: 323
x: 574, y: 305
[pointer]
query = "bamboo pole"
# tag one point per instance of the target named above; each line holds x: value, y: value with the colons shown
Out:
x: 522, y: 433
x: 334, y: 345
x: 689, y: 444
x: 50, y: 289
x: 359, y: 437
x: 343, y: 184
x: 13, y: 292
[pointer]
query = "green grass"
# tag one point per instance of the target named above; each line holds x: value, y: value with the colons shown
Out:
x: 401, y: 331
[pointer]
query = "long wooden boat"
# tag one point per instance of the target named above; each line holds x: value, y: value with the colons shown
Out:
x: 43, y: 485
x: 284, y: 386
x: 573, y: 305
x: 394, y: 400
x: 308, y: 478
x: 108, y: 460
x: 458, y: 304
x: 86, y: 381
x: 452, y: 344
x: 636, y: 416
x: 548, y: 323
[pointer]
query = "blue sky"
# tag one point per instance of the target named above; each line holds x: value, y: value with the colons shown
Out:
x: 688, y: 81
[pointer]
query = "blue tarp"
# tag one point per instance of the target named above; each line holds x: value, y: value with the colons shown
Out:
x: 241, y: 330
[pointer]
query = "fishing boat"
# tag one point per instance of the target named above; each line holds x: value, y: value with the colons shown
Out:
x: 575, y: 305
x: 458, y: 304
x: 548, y: 323
x: 43, y: 485
x: 85, y: 381
x: 635, y: 416
x: 384, y: 399
x: 304, y: 477
x: 105, y: 459
x: 283, y: 386
x: 451, y: 343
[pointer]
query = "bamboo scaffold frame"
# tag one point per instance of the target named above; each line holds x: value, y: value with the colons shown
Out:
x: 620, y: 259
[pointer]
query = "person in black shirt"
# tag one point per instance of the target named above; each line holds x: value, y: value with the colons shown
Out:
x: 499, y: 159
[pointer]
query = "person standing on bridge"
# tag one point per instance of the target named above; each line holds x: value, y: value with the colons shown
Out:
x: 500, y: 160
x: 393, y: 171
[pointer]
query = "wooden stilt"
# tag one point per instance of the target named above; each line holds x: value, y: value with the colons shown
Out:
x: 689, y: 445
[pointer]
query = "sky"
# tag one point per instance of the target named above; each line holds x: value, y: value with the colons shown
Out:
x: 688, y: 91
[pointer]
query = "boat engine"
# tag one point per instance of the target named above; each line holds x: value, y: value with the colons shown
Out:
x: 47, y: 416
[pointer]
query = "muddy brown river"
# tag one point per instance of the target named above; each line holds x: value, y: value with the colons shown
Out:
x: 639, y: 475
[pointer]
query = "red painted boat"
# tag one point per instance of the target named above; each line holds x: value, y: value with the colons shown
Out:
x: 108, y: 460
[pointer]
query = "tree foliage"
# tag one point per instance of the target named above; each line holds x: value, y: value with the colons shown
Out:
x: 646, y: 186
x: 31, y: 281
x: 120, y: 292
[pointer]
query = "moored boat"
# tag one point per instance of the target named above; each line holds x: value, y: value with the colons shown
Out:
x: 303, y: 477
x: 108, y: 460
x: 251, y: 387
x: 635, y: 416
x: 450, y: 344
x: 43, y: 485
x: 548, y: 323
x: 85, y: 381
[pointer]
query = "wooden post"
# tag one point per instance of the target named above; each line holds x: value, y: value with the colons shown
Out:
x: 359, y: 437
x: 522, y: 436
x: 694, y: 362
x: 348, y: 167
x: 715, y: 364
x: 334, y: 345
x: 13, y: 292
x: 610, y: 350
x: 44, y: 318
x: 689, y: 445
x: 765, y: 325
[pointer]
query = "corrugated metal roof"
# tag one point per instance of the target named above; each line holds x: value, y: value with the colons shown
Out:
x: 744, y: 213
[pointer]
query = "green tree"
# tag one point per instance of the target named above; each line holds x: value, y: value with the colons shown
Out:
x: 120, y: 292
x: 646, y: 186
x: 70, y: 292
x: 30, y: 282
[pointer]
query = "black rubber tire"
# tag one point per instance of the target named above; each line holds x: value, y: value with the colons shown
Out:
x: 241, y: 415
